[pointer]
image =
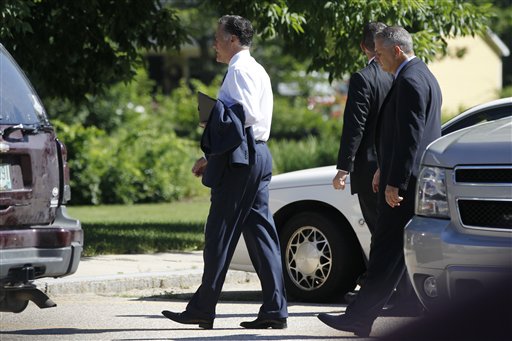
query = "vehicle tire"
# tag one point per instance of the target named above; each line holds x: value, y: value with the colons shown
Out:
x: 321, y: 258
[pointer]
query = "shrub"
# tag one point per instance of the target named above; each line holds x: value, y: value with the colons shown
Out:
x: 88, y: 159
x: 138, y: 163
x: 150, y: 166
x: 313, y: 151
x: 292, y: 120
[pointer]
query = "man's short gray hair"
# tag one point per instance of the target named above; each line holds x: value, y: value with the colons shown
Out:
x: 396, y: 35
x: 238, y: 26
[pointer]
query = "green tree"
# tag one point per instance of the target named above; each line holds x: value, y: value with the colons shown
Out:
x: 327, y: 32
x: 502, y: 26
x: 73, y: 48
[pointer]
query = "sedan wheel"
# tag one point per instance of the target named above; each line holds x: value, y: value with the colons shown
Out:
x: 309, y: 258
x: 321, y: 259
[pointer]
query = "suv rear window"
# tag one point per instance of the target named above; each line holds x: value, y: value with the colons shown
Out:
x: 18, y: 101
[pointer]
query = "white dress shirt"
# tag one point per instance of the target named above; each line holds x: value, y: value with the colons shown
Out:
x: 248, y: 83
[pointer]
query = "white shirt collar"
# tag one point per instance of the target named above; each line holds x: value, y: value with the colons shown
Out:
x: 237, y: 56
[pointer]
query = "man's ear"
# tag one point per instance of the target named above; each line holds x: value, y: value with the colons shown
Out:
x: 397, y: 50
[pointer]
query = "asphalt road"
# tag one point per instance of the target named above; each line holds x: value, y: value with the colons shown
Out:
x: 136, y: 316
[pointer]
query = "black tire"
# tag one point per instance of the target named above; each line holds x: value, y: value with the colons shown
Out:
x: 321, y: 259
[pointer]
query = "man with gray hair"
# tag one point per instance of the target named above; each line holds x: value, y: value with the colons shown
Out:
x: 409, y: 120
x: 239, y: 183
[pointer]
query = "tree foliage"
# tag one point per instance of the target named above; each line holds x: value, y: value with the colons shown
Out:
x: 72, y: 48
x: 502, y: 26
x: 328, y: 32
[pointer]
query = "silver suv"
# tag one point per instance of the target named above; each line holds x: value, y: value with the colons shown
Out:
x: 37, y: 238
x: 460, y: 240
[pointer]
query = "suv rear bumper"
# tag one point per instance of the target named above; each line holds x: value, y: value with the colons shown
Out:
x: 40, y: 251
x: 461, y: 264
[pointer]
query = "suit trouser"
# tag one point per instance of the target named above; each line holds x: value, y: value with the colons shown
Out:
x: 240, y: 205
x: 368, y: 204
x: 386, y: 266
x: 361, y: 181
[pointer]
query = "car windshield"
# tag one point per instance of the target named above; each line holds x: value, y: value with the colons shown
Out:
x: 19, y: 103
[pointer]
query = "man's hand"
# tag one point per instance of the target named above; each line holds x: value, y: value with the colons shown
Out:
x: 339, y: 180
x: 199, y: 166
x: 392, y: 197
x: 376, y: 181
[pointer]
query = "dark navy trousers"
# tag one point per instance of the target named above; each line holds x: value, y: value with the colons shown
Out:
x: 239, y: 204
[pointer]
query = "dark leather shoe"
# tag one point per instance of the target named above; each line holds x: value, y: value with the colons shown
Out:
x: 344, y: 323
x: 260, y: 323
x: 185, y: 318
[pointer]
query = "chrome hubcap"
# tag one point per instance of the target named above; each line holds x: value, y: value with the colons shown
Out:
x: 308, y: 258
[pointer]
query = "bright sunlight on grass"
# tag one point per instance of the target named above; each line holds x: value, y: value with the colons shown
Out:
x: 145, y: 228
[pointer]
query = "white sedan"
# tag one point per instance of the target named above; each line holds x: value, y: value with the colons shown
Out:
x: 324, y: 240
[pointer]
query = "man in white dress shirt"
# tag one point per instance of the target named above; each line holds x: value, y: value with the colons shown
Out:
x: 239, y: 202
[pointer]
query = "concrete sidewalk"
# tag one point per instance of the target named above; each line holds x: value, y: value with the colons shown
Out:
x: 117, y: 274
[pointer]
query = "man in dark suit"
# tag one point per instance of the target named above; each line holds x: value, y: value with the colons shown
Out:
x: 409, y: 120
x: 366, y: 92
x: 238, y: 168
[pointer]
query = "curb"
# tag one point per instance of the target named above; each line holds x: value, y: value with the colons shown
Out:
x: 118, y: 284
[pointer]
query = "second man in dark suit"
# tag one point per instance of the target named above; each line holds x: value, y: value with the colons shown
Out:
x: 367, y: 89
x: 409, y: 120
x: 366, y: 92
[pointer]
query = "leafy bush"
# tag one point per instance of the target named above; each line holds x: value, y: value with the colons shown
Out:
x: 313, y: 151
x: 123, y: 102
x: 88, y: 160
x: 131, y: 147
x: 179, y: 110
x: 293, y: 120
x: 150, y: 166
x: 136, y: 164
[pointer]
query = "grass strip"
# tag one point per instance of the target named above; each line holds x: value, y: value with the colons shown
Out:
x: 123, y: 238
x: 146, y: 228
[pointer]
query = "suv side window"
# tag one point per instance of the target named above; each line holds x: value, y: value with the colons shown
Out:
x: 18, y: 101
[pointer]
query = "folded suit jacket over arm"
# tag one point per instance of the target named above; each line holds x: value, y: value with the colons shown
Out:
x: 226, y: 142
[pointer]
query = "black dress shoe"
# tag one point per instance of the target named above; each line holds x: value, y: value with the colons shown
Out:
x: 185, y: 318
x: 342, y: 322
x: 260, y: 323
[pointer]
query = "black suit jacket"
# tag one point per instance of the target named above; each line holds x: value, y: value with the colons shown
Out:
x: 366, y: 93
x: 409, y: 120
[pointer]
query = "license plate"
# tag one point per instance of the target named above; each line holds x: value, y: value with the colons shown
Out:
x: 5, y: 178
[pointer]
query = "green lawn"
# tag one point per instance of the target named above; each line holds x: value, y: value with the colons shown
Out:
x: 145, y: 228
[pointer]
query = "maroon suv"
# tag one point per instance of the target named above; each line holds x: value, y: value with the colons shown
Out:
x: 37, y: 238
